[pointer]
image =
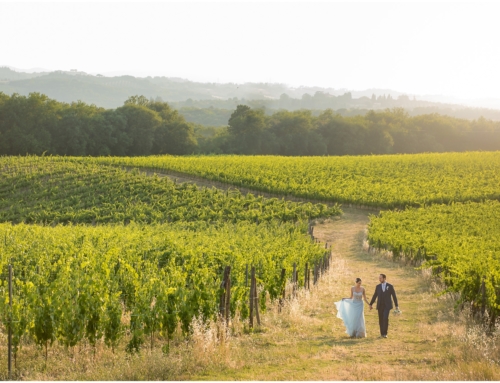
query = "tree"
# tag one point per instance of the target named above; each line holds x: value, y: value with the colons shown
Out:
x: 293, y: 131
x: 109, y: 136
x: 245, y: 126
x: 174, y: 138
x: 72, y: 134
x: 26, y: 123
x: 307, y: 101
x: 142, y: 123
x: 137, y: 100
x: 342, y: 135
x: 285, y: 101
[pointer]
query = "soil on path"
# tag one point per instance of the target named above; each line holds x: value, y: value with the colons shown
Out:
x: 308, y: 342
x: 305, y: 341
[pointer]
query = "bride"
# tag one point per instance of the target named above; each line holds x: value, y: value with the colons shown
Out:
x: 351, y: 311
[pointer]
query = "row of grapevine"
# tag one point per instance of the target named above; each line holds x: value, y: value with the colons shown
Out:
x: 380, y: 181
x: 147, y: 277
x: 79, y: 282
x: 55, y: 190
x: 459, y: 241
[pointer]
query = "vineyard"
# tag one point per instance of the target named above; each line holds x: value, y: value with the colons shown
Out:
x: 459, y: 241
x: 380, y: 181
x: 78, y: 282
x: 55, y: 190
x: 94, y: 253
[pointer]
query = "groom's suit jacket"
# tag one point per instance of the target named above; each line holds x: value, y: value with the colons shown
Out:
x: 384, y: 297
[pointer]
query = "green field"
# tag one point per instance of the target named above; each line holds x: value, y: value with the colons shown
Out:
x: 105, y: 253
x: 56, y: 190
x: 75, y: 283
x: 91, y: 244
x: 386, y: 181
x: 460, y: 237
x: 459, y: 241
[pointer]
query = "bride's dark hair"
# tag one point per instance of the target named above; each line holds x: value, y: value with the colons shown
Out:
x: 358, y: 280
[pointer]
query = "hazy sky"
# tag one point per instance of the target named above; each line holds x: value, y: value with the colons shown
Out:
x: 445, y: 48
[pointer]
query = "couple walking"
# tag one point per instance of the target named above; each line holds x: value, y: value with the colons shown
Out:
x: 351, y: 310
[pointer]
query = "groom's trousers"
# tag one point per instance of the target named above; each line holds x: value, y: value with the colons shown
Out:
x: 383, y: 319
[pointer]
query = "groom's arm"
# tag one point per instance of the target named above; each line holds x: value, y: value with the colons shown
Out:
x: 394, y: 297
x: 374, y: 297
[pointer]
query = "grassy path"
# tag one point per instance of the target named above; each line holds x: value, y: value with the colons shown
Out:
x: 308, y: 342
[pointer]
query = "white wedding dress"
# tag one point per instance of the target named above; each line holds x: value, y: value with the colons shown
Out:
x: 352, y: 312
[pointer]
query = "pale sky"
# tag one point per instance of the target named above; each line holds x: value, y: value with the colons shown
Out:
x: 444, y: 48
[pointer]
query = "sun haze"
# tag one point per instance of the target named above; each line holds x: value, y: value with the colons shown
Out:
x: 419, y: 48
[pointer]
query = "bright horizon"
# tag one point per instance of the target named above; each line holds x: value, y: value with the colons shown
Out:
x: 419, y: 48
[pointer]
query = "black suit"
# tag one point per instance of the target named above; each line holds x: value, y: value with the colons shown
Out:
x: 384, y: 305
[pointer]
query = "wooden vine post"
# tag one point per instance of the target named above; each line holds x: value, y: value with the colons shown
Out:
x: 228, y: 295
x: 283, y: 284
x: 306, y: 276
x: 483, y: 297
x: 9, y: 351
x: 225, y: 298
x: 316, y: 272
x: 252, y: 273
x: 294, y: 280
x: 254, y: 299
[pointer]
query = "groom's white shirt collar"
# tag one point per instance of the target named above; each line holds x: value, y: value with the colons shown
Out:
x: 383, y: 285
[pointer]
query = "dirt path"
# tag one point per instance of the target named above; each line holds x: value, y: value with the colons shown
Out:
x: 308, y: 342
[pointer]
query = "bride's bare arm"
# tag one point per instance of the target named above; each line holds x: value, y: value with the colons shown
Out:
x: 351, y: 292
x: 364, y: 296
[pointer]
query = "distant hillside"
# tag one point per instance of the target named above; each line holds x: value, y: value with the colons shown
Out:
x: 211, y: 103
x: 111, y: 92
x: 7, y: 74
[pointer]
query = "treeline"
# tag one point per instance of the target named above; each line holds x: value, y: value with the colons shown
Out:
x: 36, y: 124
x: 211, y: 116
x: 318, y: 101
x: 287, y: 133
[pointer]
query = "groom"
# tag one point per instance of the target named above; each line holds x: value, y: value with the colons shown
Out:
x: 384, y: 291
